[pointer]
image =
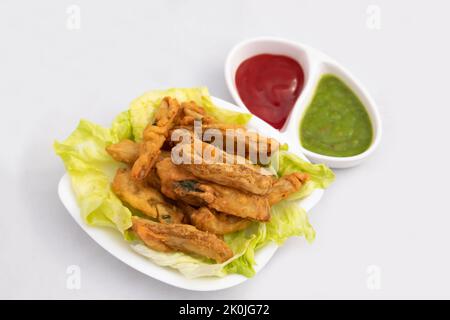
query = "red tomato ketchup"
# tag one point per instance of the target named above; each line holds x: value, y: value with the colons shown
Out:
x: 269, y: 86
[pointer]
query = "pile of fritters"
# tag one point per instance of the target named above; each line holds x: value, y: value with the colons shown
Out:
x: 190, y: 205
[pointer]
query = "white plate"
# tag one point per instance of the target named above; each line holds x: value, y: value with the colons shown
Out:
x: 112, y: 241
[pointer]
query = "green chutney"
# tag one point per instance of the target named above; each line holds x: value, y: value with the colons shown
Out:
x: 336, y: 123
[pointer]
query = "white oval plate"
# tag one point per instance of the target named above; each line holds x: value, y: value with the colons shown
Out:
x: 112, y: 241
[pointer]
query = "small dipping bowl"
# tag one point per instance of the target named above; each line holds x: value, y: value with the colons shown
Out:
x: 315, y: 64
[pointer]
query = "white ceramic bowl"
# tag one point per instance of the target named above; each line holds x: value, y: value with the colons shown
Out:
x: 112, y: 241
x: 314, y: 64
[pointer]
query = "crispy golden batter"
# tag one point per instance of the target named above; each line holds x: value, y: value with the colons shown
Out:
x: 238, y: 140
x: 148, y: 155
x: 234, y: 139
x: 168, y: 213
x: 192, y: 112
x: 136, y: 194
x: 145, y: 199
x: 240, y: 203
x: 151, y: 239
x: 230, y: 171
x: 153, y: 180
x: 286, y: 185
x: 125, y: 151
x: 181, y: 237
x: 177, y: 183
x: 154, y: 138
x: 168, y: 174
x: 215, y: 222
x: 198, y: 152
x: 165, y: 118
x: 193, y: 192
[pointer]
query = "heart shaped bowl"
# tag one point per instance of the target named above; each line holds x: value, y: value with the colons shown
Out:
x: 315, y: 64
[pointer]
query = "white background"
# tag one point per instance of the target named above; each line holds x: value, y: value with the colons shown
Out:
x: 392, y: 211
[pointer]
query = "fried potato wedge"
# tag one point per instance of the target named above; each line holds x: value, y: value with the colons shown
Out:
x: 192, y: 112
x: 165, y: 118
x: 181, y: 237
x: 125, y: 151
x: 228, y: 170
x: 179, y: 184
x: 215, y: 222
x: 148, y: 155
x: 145, y: 199
x: 285, y: 186
x: 154, y: 137
x: 238, y: 140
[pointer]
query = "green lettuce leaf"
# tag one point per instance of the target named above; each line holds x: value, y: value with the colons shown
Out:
x: 248, y: 241
x: 224, y: 115
x: 91, y: 170
x: 189, y: 266
x: 288, y: 220
x: 142, y: 109
x: 284, y: 162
